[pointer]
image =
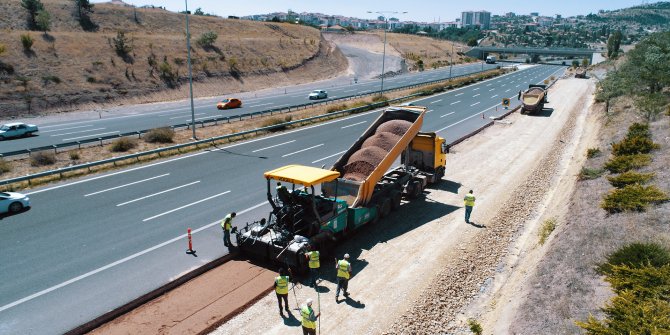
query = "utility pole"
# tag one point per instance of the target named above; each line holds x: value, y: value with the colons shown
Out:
x: 386, y: 26
x: 190, y: 73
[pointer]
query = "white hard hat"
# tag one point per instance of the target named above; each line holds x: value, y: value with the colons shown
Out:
x: 309, y: 302
x: 346, y: 256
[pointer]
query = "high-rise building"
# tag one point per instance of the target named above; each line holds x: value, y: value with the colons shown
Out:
x: 480, y: 18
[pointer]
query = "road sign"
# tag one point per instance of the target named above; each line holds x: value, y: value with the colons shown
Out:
x: 505, y: 102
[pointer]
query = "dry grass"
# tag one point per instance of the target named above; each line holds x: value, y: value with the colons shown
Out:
x: 567, y: 285
x: 22, y: 167
x: 243, y: 49
x: 434, y: 53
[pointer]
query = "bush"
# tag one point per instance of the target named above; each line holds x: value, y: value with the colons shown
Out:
x: 632, y: 198
x: 593, y: 152
x: 588, y: 174
x: 646, y: 282
x: 620, y: 164
x: 122, y: 44
x: 4, y: 166
x: 547, y: 228
x: 122, y: 144
x: 475, y: 327
x: 207, y: 39
x: 336, y: 108
x: 637, y: 255
x: 159, y: 135
x: 74, y: 155
x: 51, y: 78
x: 27, y: 41
x: 379, y: 98
x: 634, y: 145
x: 273, y: 122
x: 638, y: 130
x: 629, y: 178
x: 42, y: 158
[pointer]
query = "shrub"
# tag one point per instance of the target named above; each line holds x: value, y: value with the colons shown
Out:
x: 288, y: 118
x: 475, y: 327
x: 122, y: 144
x: 629, y: 178
x: 638, y: 130
x: 4, y: 166
x: 588, y: 174
x: 632, y: 198
x: 593, y: 152
x: 122, y: 44
x: 159, y: 135
x: 42, y: 158
x: 634, y: 145
x: 207, y: 39
x: 547, y: 228
x: 51, y: 78
x: 637, y: 255
x: 379, y: 98
x: 336, y: 108
x: 619, y: 164
x: 273, y: 122
x: 74, y: 155
x: 646, y: 282
x: 27, y: 41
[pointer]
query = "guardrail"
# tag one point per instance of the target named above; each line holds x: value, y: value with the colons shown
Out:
x: 226, y: 119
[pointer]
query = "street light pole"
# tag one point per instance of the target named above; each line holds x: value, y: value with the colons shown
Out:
x: 190, y: 73
x: 386, y: 27
x: 451, y: 59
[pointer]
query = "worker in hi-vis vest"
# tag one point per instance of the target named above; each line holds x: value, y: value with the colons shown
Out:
x: 308, y: 318
x: 343, y: 274
x: 281, y: 289
x: 227, y: 225
x: 469, y: 203
x: 314, y: 265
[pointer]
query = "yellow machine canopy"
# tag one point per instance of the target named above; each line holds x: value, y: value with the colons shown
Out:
x: 304, y: 175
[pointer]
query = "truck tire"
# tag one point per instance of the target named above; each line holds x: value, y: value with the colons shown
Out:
x: 385, y: 208
x: 396, y: 197
x: 414, y: 189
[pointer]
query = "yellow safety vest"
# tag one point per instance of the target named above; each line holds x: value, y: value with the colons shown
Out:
x: 343, y: 269
x: 469, y: 200
x: 227, y: 222
x: 314, y: 260
x: 282, y: 285
x: 307, y: 322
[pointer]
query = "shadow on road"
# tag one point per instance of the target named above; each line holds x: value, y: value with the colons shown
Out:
x: 546, y: 112
x: 6, y: 215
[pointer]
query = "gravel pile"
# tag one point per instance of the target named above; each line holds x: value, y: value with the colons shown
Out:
x: 453, y: 288
x: 373, y: 150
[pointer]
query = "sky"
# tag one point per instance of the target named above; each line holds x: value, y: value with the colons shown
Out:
x: 417, y: 10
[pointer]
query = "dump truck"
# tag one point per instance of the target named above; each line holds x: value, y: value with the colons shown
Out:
x: 580, y: 73
x: 534, y: 98
x: 323, y: 206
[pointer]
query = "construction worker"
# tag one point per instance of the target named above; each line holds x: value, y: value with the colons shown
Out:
x: 282, y: 194
x: 308, y: 318
x: 281, y: 289
x: 227, y: 225
x: 469, y: 203
x: 314, y: 265
x: 343, y: 274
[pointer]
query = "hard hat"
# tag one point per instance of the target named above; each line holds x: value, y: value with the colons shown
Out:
x: 309, y: 302
x: 346, y: 256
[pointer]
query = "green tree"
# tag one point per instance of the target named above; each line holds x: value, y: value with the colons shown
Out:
x: 575, y: 63
x: 611, y: 87
x: 648, y: 65
x: 43, y: 21
x: 207, y: 39
x: 122, y: 44
x: 585, y: 62
x: 199, y: 12
x: 472, y: 42
x: 33, y: 6
x: 651, y: 105
x: 535, y: 58
x: 27, y: 41
x: 84, y: 7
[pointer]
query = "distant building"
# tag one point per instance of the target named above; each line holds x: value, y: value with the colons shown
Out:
x: 481, y: 19
x: 510, y: 14
x: 534, y: 14
x: 558, y: 16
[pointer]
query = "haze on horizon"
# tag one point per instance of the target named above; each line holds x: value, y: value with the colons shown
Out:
x: 422, y: 11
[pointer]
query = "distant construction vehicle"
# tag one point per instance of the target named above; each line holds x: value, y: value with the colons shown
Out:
x: 580, y: 73
x: 490, y: 59
x: 324, y: 206
x: 533, y: 99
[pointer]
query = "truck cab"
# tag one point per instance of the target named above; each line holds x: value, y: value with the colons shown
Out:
x: 490, y: 59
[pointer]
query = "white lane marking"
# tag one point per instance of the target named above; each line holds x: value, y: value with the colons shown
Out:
x: 157, y: 193
x: 185, y: 206
x: 489, y: 84
x: 436, y: 101
x: 459, y: 94
x: 428, y: 111
x: 474, y: 89
x: 273, y: 146
x: 455, y: 102
x: 476, y: 95
x: 90, y: 136
x: 467, y: 118
x: 120, y: 261
x: 476, y: 103
x: 509, y: 89
x: 447, y: 114
x: 349, y: 91
x: 265, y: 104
x: 355, y: 124
x: 78, y: 132
x: 503, y: 85
x: 494, y: 96
x: 204, y: 118
x: 124, y: 185
x: 333, y: 155
x: 55, y: 130
x: 299, y: 151
x: 493, y: 89
x: 181, y: 116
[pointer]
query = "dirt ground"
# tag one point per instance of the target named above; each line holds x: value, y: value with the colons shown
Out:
x: 417, y: 269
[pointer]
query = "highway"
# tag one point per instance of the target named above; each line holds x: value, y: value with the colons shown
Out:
x: 90, y: 245
x: 142, y: 117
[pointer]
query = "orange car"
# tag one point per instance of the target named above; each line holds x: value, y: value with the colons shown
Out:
x: 229, y: 103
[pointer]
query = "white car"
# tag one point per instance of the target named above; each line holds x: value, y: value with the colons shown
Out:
x: 318, y: 94
x: 12, y: 202
x: 16, y: 129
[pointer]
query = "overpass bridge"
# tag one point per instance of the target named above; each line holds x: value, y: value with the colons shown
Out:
x: 482, y: 52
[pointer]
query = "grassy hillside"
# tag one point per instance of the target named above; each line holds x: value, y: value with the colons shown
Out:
x: 69, y: 66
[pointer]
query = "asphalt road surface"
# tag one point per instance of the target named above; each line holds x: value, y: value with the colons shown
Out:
x: 90, y: 245
x: 135, y: 118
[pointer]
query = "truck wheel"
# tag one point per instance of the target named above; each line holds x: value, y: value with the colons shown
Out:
x: 415, y: 189
x: 395, y: 200
x: 385, y: 208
